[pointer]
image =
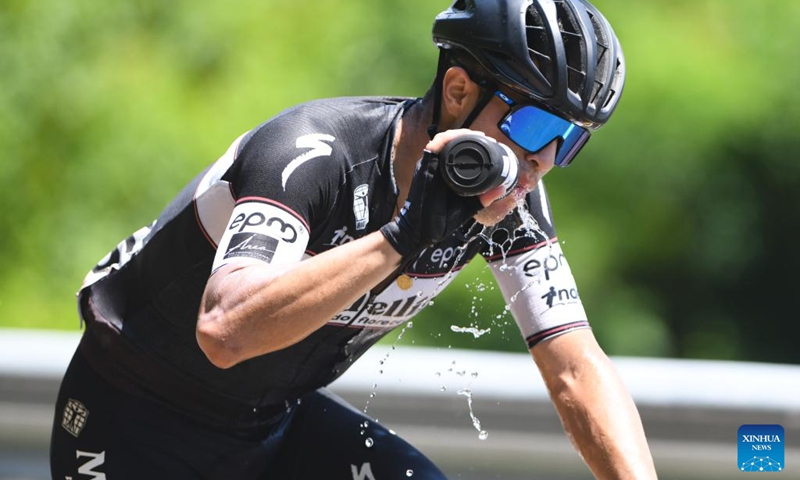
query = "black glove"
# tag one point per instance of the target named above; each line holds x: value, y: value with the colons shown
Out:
x: 432, y: 211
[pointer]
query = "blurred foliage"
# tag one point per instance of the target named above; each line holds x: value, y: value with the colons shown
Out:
x: 679, y: 218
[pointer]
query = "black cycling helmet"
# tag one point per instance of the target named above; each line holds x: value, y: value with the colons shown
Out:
x: 562, y: 54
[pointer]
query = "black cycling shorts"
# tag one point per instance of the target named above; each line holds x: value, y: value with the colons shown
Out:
x: 100, y: 432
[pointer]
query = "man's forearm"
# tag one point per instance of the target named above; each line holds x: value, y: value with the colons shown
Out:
x: 599, y: 415
x: 252, y: 309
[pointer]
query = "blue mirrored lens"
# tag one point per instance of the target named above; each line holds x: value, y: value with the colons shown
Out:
x: 533, y: 129
x: 571, y: 144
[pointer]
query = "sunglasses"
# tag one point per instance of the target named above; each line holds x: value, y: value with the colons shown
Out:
x: 533, y: 128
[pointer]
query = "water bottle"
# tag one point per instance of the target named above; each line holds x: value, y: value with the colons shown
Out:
x: 473, y: 164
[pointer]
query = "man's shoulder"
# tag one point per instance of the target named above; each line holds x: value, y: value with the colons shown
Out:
x: 334, y: 116
x: 343, y: 112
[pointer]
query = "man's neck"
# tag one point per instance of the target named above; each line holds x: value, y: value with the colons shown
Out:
x: 410, y: 141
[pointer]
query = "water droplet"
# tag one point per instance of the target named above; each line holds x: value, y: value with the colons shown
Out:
x: 474, y: 375
x: 410, y: 325
x: 483, y: 435
x: 409, y: 472
x: 368, y: 442
x: 443, y: 389
x: 474, y: 331
x: 438, y: 374
x: 380, y: 372
x: 372, y: 395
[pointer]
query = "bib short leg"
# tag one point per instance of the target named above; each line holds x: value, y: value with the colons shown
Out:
x: 330, y: 439
x: 100, y: 432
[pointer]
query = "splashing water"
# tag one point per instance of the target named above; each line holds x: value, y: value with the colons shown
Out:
x: 482, y: 434
x: 409, y: 473
x: 383, y: 360
x: 477, y: 333
x: 530, y: 227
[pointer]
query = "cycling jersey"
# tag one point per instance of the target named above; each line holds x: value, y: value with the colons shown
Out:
x: 312, y: 178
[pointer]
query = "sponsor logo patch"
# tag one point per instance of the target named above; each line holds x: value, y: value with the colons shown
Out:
x: 362, y: 473
x: 74, y: 418
x: 95, y: 461
x: 340, y: 237
x: 360, y: 206
x: 561, y: 296
x: 263, y: 230
x: 253, y: 245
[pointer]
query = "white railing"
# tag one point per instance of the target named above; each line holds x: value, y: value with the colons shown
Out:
x: 691, y: 409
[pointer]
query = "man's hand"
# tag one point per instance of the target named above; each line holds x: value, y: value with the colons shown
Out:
x: 432, y: 211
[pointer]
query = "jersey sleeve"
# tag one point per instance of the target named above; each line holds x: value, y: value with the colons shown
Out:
x: 533, y: 274
x: 285, y: 178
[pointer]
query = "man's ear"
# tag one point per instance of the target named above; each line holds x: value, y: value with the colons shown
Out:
x: 459, y: 96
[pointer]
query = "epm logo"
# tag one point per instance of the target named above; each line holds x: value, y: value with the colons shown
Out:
x: 761, y: 448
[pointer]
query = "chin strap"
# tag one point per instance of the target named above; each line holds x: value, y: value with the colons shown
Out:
x: 485, y: 97
x: 487, y: 92
x: 433, y: 129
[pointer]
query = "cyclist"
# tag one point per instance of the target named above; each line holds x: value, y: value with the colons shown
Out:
x: 212, y: 332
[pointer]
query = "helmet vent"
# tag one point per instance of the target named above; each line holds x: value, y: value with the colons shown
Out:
x: 462, y: 5
x: 604, y: 70
x: 616, y: 81
x: 539, y: 45
x: 573, y: 46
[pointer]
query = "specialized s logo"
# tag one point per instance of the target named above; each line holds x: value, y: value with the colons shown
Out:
x: 316, y: 142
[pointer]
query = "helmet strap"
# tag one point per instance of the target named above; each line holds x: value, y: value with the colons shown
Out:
x: 433, y: 129
x: 486, y: 94
x: 485, y: 97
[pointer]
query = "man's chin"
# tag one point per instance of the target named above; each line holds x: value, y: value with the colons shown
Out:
x: 497, y: 211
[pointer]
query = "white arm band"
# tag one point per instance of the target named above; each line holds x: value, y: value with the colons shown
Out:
x: 540, y: 290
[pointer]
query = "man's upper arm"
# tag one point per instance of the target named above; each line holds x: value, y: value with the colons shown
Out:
x: 283, y: 180
x: 533, y: 273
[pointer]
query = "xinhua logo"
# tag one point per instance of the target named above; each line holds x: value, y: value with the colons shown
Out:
x: 761, y: 448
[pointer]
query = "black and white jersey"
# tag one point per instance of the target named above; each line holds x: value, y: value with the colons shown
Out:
x: 310, y: 179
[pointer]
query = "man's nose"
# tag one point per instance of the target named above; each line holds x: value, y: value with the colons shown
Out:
x: 543, y: 160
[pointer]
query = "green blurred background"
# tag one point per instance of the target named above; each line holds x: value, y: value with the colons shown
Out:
x: 679, y: 218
